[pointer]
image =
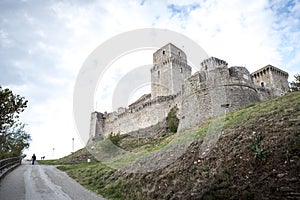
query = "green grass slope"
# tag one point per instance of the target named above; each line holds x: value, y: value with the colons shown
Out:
x: 77, y: 157
x: 256, y: 157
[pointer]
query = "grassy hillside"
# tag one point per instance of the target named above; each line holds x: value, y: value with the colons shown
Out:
x: 77, y: 157
x: 256, y: 157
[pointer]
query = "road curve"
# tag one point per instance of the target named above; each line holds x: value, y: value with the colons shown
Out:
x: 35, y: 182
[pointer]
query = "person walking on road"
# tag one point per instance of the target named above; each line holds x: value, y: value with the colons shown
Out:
x: 33, y: 158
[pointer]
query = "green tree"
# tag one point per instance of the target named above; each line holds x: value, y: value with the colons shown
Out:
x: 115, y: 138
x: 172, y: 120
x: 13, y: 138
x: 295, y: 85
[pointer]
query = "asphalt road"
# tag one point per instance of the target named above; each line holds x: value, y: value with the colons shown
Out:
x: 35, y: 182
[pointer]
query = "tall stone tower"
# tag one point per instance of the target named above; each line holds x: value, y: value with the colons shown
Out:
x: 273, y: 79
x: 96, y: 126
x: 169, y: 71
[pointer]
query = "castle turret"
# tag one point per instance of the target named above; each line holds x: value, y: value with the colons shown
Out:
x: 213, y: 91
x: 96, y: 126
x: 213, y: 63
x: 273, y: 79
x: 169, y: 71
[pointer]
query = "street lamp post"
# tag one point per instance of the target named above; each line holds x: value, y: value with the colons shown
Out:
x: 72, y: 145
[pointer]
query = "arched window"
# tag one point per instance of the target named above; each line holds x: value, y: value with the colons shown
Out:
x: 158, y: 73
x: 163, y: 52
x: 180, y: 69
x: 262, y: 84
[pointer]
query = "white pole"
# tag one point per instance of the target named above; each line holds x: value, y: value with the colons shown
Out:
x: 73, y: 145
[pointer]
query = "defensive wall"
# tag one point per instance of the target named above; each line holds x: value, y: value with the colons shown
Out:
x: 136, y: 117
x: 212, y: 91
x: 270, y: 81
x: 215, y: 90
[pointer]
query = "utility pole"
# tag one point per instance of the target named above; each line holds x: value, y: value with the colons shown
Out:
x: 72, y: 145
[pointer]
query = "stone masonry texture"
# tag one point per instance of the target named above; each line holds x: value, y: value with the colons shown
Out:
x: 214, y: 90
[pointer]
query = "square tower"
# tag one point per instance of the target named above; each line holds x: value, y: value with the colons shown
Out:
x: 169, y: 71
x: 272, y: 78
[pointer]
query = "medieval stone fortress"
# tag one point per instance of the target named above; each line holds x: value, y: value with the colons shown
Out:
x: 212, y: 91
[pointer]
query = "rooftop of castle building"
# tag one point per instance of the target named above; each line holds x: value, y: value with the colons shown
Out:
x: 169, y: 47
x: 212, y: 61
x: 270, y: 67
x: 169, y: 44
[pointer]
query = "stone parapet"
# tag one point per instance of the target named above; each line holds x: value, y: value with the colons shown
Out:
x: 212, y: 91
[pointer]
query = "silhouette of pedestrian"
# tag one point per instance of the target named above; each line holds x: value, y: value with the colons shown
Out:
x: 33, y: 158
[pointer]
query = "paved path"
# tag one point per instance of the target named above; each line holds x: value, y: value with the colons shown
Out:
x: 35, y: 182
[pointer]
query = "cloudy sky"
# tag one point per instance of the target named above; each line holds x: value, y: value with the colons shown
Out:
x: 43, y: 45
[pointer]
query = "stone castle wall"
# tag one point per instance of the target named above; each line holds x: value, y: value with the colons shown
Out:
x: 215, y: 91
x: 169, y: 71
x: 96, y: 129
x: 212, y: 91
x: 138, y: 116
x: 271, y: 81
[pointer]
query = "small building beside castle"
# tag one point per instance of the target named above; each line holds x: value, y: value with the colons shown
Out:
x: 212, y: 91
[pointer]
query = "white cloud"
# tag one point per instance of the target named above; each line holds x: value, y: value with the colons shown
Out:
x: 118, y: 69
x: 4, y: 39
x: 240, y: 36
x: 28, y: 18
x: 55, y: 38
x: 50, y: 122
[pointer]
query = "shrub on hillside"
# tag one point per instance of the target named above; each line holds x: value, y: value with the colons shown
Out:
x: 172, y: 120
x: 115, y: 138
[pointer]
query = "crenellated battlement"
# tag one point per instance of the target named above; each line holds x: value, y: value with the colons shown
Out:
x: 198, y: 96
x: 169, y: 71
x: 137, y: 106
x: 168, y: 52
x: 267, y: 69
x: 168, y: 61
x: 212, y: 63
x: 272, y: 80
